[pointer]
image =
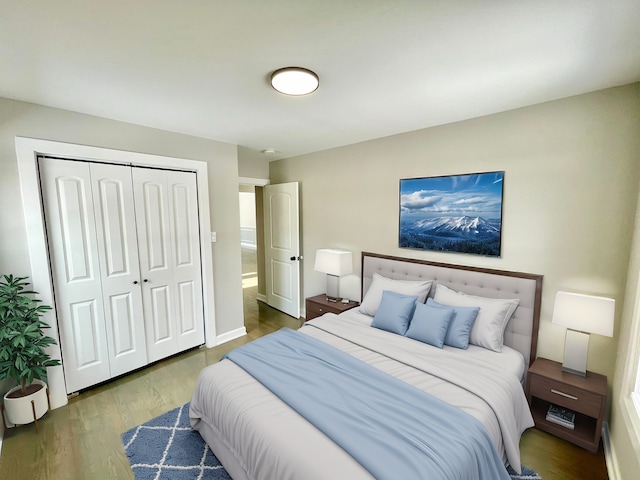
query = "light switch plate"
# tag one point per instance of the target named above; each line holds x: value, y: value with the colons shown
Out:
x: 214, y: 237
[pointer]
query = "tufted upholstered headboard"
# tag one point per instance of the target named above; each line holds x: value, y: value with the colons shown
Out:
x: 522, y: 330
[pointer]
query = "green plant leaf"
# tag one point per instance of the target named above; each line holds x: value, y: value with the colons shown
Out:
x: 22, y: 341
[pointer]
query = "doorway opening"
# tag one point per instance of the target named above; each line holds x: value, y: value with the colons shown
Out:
x: 249, y: 247
x: 249, y: 197
x: 258, y: 315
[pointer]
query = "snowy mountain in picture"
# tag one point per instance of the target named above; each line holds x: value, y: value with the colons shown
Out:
x: 463, y: 227
x: 452, y: 234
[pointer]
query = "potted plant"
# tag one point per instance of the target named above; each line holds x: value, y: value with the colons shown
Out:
x: 22, y: 351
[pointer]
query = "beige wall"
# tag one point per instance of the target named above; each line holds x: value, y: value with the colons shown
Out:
x: 572, y: 169
x: 252, y: 164
x: 29, y: 120
x: 623, y: 418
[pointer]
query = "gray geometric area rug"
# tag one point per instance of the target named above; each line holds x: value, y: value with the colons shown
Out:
x: 527, y: 474
x: 166, y: 448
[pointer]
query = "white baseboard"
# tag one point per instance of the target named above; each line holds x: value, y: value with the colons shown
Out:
x: 609, y: 455
x: 232, y: 335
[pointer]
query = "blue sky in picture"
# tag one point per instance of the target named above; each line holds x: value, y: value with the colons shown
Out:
x: 475, y: 195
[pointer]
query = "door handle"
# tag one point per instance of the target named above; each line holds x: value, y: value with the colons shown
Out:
x: 298, y: 258
x: 135, y: 282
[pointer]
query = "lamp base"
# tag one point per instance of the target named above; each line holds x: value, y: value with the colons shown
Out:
x: 576, y: 348
x: 333, y: 288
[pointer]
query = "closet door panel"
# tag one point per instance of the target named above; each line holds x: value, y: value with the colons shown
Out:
x: 156, y: 226
x: 160, y: 314
x: 121, y: 283
x: 155, y: 248
x: 187, y: 308
x: 183, y: 196
x: 71, y: 233
x: 125, y: 337
x: 84, y: 322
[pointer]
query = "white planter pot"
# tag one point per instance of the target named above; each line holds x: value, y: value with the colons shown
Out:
x: 19, y: 410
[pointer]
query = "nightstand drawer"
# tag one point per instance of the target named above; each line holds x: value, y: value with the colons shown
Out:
x: 314, y: 310
x: 567, y: 396
x: 319, y: 305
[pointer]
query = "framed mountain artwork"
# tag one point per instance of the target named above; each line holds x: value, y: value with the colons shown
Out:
x: 454, y: 213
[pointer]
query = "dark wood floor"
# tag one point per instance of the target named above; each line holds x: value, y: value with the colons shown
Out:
x: 82, y: 440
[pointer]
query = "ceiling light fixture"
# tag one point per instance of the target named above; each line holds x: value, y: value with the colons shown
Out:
x: 294, y: 81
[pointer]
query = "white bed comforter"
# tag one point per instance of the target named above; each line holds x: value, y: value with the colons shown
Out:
x: 257, y: 436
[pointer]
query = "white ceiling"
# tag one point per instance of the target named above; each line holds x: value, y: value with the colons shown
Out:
x: 201, y: 67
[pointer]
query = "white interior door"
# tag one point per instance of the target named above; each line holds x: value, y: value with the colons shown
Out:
x: 68, y: 203
x: 120, y: 272
x: 282, y: 247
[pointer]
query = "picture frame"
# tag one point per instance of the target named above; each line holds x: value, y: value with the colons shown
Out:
x: 452, y: 213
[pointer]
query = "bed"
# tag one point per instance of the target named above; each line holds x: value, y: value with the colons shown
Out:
x: 259, y: 434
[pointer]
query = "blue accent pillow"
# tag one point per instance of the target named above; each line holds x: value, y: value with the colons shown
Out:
x: 394, y: 312
x: 429, y: 324
x: 460, y: 326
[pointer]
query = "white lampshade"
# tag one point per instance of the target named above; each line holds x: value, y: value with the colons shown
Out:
x: 584, y: 313
x: 334, y: 262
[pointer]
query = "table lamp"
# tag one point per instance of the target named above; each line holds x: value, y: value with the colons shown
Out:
x: 582, y: 315
x: 335, y: 263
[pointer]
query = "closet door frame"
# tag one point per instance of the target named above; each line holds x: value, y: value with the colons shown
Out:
x: 27, y: 151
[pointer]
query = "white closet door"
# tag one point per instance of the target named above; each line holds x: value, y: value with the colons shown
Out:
x: 68, y: 203
x: 154, y: 243
x: 183, y: 198
x: 120, y: 272
x: 125, y: 255
x: 169, y: 246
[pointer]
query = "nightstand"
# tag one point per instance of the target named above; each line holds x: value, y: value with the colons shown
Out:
x: 319, y: 305
x: 586, y: 396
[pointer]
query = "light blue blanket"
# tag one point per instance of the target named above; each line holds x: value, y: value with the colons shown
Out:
x: 394, y: 430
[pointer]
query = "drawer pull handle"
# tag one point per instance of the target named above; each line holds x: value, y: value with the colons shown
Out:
x: 557, y: 392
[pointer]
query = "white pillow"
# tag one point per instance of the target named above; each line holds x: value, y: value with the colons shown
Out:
x: 488, y: 329
x: 372, y: 298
